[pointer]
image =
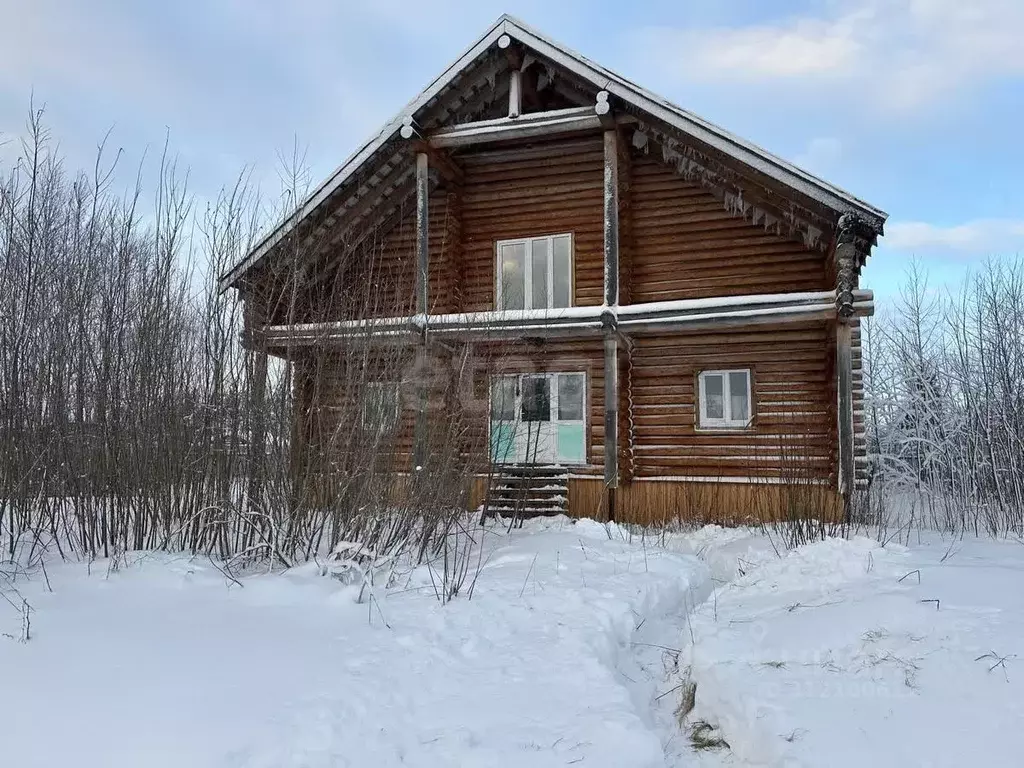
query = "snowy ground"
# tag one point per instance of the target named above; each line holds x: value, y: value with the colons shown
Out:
x: 577, y: 648
x: 843, y: 653
x: 165, y: 663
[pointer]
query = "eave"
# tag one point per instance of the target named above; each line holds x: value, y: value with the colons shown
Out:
x: 634, y: 98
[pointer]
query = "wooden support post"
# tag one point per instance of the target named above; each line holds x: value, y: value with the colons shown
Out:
x: 611, y: 217
x: 422, y: 233
x: 611, y: 299
x: 844, y: 380
x: 611, y: 419
x: 258, y: 404
x: 847, y: 258
x: 255, y: 319
x: 515, y: 94
x: 420, y: 435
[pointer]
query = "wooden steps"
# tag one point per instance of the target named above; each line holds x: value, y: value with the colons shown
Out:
x: 528, y: 490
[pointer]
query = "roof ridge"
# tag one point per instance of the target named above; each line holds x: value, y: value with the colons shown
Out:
x: 745, y: 152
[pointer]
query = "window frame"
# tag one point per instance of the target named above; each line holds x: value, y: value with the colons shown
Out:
x: 704, y: 422
x: 375, y: 392
x: 553, y: 405
x: 528, y: 242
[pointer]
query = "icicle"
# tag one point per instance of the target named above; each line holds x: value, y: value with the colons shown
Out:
x: 741, y: 206
x: 812, y: 236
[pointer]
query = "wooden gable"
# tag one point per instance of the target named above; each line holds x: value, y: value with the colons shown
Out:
x: 370, y: 193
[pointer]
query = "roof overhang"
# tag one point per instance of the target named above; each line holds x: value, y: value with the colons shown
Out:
x: 745, y: 153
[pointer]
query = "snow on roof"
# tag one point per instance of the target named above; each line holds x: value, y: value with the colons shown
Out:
x: 751, y: 155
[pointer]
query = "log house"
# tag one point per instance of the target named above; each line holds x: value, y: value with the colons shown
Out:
x: 671, y: 312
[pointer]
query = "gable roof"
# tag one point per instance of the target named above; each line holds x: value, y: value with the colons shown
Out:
x: 748, y: 154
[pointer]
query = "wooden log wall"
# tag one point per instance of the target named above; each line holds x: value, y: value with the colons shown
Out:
x: 860, y: 443
x: 380, y: 280
x: 687, y: 246
x: 794, y: 404
x: 330, y: 402
x: 547, y: 189
x: 678, y: 242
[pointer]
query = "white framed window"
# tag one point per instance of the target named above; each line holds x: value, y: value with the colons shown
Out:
x: 539, y: 418
x: 380, y: 407
x: 725, y: 398
x: 535, y: 272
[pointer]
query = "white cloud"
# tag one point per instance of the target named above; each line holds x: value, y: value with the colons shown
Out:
x: 903, y: 53
x: 801, y: 47
x: 974, y: 238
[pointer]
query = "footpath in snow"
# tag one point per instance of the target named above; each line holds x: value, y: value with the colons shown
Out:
x: 582, y: 645
x: 165, y: 662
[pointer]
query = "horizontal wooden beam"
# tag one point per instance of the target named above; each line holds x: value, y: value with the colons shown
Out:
x: 441, y: 162
x: 576, y: 322
x: 531, y: 125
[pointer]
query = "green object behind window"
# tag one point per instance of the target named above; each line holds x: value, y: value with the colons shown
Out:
x: 502, y: 441
x: 571, y: 443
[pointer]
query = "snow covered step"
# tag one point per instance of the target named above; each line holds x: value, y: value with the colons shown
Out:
x: 529, y: 491
x: 533, y: 512
x: 545, y: 491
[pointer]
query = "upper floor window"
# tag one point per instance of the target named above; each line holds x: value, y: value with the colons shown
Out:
x: 725, y: 398
x: 535, y: 272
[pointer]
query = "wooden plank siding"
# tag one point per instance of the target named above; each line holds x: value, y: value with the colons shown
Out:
x: 654, y: 502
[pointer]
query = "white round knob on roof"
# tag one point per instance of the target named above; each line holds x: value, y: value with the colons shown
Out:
x: 407, y: 130
x: 602, y: 97
x: 504, y: 41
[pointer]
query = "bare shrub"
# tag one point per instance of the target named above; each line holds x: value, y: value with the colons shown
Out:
x: 138, y: 409
x: 945, y: 405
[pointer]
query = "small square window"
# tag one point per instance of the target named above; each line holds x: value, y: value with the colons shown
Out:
x: 725, y: 399
x: 380, y: 407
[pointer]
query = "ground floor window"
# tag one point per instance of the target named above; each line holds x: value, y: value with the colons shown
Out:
x: 539, y: 418
x: 724, y: 398
x: 380, y: 407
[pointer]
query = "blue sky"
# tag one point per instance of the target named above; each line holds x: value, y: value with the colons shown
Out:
x: 914, y: 105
